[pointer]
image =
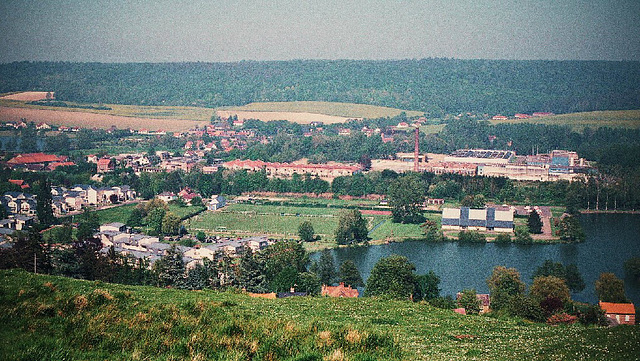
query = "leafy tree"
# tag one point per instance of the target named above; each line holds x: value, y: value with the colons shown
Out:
x: 632, y: 268
x: 91, y: 264
x: 310, y: 283
x: 545, y: 287
x: 392, y: 276
x: 504, y: 283
x: 170, y: 224
x: 154, y: 221
x: 325, y: 268
x: 431, y: 231
x: 251, y: 273
x: 470, y: 302
x: 170, y: 268
x: 350, y: 275
x: 285, y: 280
x: 306, y: 232
x: 474, y: 201
x: 352, y: 228
x: 283, y: 255
x: 570, y: 230
x: 610, y: 288
x: 523, y: 306
x: 534, y: 223
x: 427, y: 287
x: 201, y: 236
x: 406, y: 196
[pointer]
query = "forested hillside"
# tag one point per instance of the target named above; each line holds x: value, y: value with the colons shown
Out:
x: 436, y: 86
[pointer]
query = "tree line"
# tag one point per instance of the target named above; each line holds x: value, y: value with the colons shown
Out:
x: 436, y: 86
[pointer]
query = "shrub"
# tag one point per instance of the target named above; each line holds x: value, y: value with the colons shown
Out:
x: 523, y: 306
x: 551, y: 305
x: 562, y: 318
x: 446, y: 303
x: 471, y: 237
x: 503, y: 238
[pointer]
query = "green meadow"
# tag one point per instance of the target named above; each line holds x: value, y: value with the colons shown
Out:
x: 54, y: 318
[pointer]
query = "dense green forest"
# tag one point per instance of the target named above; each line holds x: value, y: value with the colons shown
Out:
x: 436, y: 86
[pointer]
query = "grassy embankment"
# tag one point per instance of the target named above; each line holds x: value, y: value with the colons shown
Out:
x: 52, y: 318
x: 578, y: 121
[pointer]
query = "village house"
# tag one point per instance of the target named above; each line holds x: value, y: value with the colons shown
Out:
x: 339, y: 291
x: 106, y: 165
x: 167, y: 196
x: 216, y: 202
x: 287, y: 170
x: 19, y: 203
x: 619, y: 313
x: 187, y: 195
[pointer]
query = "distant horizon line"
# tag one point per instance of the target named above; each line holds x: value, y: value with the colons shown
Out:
x: 315, y: 60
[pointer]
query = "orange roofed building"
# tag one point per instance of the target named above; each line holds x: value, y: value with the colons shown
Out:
x: 37, y: 161
x: 622, y: 313
x: 340, y: 291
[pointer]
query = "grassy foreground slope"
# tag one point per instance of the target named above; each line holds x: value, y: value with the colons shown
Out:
x: 52, y: 318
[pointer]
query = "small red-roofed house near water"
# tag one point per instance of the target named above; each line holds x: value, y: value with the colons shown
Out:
x: 339, y: 291
x: 621, y: 313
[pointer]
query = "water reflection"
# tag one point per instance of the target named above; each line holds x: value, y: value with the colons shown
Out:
x: 611, y: 240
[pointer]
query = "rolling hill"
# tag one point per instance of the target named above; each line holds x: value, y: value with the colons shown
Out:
x: 54, y: 318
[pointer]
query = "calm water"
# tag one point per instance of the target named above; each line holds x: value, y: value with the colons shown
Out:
x: 611, y: 239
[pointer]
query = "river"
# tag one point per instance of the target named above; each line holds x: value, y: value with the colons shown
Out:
x: 611, y: 240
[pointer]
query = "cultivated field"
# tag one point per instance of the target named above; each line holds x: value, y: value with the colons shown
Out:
x: 309, y: 111
x: 26, y: 96
x: 85, y: 119
x: 614, y: 119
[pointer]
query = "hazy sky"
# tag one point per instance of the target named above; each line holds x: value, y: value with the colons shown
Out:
x: 225, y: 30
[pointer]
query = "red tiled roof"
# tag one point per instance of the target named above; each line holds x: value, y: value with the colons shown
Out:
x: 340, y: 291
x: 618, y: 308
x: 104, y: 161
x: 35, y: 158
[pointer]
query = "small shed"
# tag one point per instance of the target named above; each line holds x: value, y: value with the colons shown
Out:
x: 621, y: 313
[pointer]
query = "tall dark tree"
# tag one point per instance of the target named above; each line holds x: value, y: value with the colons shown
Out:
x: 251, y: 273
x: 534, y: 223
x: 350, y: 275
x: 325, y: 268
x: 44, y: 201
x: 88, y: 224
x: 170, y: 268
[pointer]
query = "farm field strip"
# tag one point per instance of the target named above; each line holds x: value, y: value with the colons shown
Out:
x: 578, y: 121
x: 347, y: 110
